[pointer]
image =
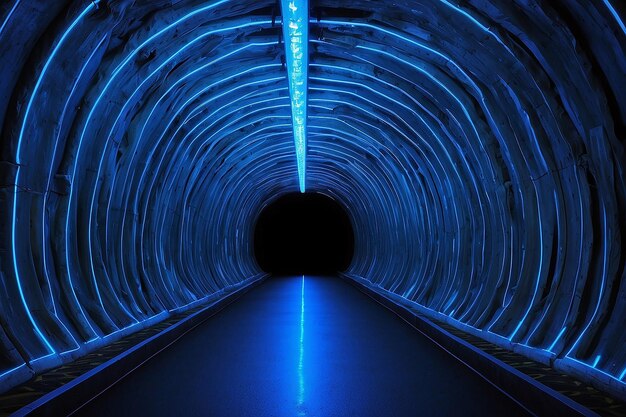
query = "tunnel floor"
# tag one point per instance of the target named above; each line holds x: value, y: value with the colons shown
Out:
x: 303, y: 346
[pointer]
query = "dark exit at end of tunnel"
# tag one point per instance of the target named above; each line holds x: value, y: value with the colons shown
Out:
x: 303, y: 234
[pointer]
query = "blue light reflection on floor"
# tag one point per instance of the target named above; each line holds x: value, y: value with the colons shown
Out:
x: 301, y: 355
x: 252, y: 359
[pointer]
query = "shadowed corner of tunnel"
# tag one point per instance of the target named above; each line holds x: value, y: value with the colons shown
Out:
x: 308, y: 233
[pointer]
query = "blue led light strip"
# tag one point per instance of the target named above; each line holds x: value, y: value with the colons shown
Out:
x: 296, y: 36
x: 44, y: 70
x: 301, y: 357
x: 615, y: 14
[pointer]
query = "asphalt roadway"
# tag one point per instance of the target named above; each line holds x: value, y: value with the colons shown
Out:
x: 303, y: 346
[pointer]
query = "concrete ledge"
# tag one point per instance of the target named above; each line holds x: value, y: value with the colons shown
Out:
x: 71, y: 396
x: 532, y: 395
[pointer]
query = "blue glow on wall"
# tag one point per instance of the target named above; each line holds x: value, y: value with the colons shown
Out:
x: 484, y: 189
x: 296, y: 39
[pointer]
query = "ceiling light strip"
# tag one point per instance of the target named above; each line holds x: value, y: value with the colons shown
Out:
x: 296, y: 36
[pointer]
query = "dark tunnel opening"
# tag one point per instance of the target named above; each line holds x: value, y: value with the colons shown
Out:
x: 303, y: 234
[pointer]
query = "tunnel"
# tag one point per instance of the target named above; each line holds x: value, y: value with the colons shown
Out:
x: 459, y: 161
x: 322, y: 243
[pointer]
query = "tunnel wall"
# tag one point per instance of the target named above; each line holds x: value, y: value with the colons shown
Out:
x: 478, y: 147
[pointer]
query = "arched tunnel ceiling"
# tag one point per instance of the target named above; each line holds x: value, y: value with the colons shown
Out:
x: 477, y: 146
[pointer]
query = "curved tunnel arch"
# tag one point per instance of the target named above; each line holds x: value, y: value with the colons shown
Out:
x: 478, y: 148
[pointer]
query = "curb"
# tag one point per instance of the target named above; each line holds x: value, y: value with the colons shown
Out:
x: 73, y: 395
x: 535, y: 397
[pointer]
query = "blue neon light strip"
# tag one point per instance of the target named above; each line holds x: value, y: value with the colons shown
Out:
x: 596, y: 361
x: 296, y: 36
x: 36, y: 327
x: 9, y: 16
x: 618, y: 19
x: 301, y: 357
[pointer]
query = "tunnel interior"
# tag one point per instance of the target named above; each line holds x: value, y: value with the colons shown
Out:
x: 303, y: 233
x: 476, y: 147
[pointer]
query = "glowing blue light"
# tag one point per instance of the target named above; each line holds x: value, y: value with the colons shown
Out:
x: 601, y: 292
x: 296, y: 36
x: 36, y: 328
x: 2, y: 375
x: 9, y: 16
x: 596, y: 361
x: 301, y: 356
x: 539, y: 269
x: 618, y: 19
x: 557, y: 339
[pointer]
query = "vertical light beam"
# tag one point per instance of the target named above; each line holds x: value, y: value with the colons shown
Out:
x: 296, y: 36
